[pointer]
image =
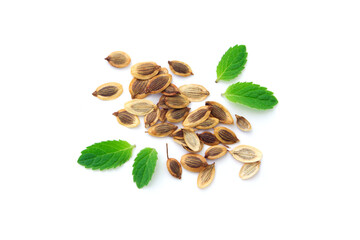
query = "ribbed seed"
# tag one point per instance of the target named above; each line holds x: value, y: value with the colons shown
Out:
x: 208, y: 138
x: 161, y: 103
x: 145, y: 70
x: 137, y: 88
x: 206, y: 176
x: 118, y: 59
x: 177, y: 101
x: 194, y: 92
x: 182, y: 142
x: 162, y: 116
x: 162, y: 129
x: 197, y: 116
x: 163, y: 71
x: 242, y: 123
x: 158, y: 83
x: 211, y: 122
x: 126, y: 119
x: 246, y: 154
x: 215, y: 152
x: 193, y: 162
x: 173, y: 165
x: 248, y: 170
x: 171, y: 90
x: 108, y: 91
x: 191, y: 139
x: 220, y: 112
x: 180, y: 68
x: 178, y: 134
x: 139, y: 107
x: 151, y: 118
x: 225, y: 135
x: 177, y: 115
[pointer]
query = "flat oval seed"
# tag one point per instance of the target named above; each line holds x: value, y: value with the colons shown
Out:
x: 211, y: 122
x: 158, y: 83
x: 139, y: 107
x: 242, y: 123
x: 208, y: 138
x: 193, y: 162
x: 215, y: 152
x: 182, y: 142
x: 171, y: 90
x: 137, y: 88
x: 151, y: 118
x: 126, y: 119
x: 178, y: 134
x: 177, y: 115
x: 197, y: 116
x: 173, y: 165
x: 194, y: 92
x: 246, y: 154
x: 206, y: 176
x: 118, y: 59
x: 163, y: 71
x: 191, y: 139
x: 220, y: 112
x: 248, y: 170
x: 108, y: 91
x: 225, y: 135
x: 162, y: 129
x: 145, y: 70
x: 177, y: 101
x: 180, y: 68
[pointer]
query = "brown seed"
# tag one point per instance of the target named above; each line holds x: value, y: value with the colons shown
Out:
x: 197, y: 116
x: 193, y: 162
x: 137, y: 88
x: 206, y: 176
x: 182, y: 142
x: 158, y: 83
x: 215, y: 152
x: 108, y: 91
x: 177, y: 101
x: 177, y: 115
x: 242, y: 123
x: 191, y: 139
x: 208, y: 138
x: 126, y: 119
x: 139, y: 107
x: 211, y: 122
x: 162, y: 129
x: 173, y: 165
x: 178, y: 134
x: 180, y: 68
x: 225, y: 135
x: 145, y: 70
x: 171, y: 90
x: 118, y: 59
x: 151, y: 118
x: 194, y: 92
x: 162, y: 116
x: 220, y: 112
x: 163, y: 71
x: 248, y: 170
x: 246, y: 154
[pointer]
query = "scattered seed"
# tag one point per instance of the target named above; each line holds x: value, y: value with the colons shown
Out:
x: 145, y: 70
x: 220, y: 112
x: 178, y: 134
x: 177, y: 115
x: 151, y: 118
x: 194, y: 92
x: 248, y: 170
x: 162, y: 129
x: 137, y: 88
x: 158, y: 83
x: 197, y: 116
x: 177, y: 101
x: 180, y: 68
x: 215, y: 152
x: 182, y: 142
x: 208, y: 138
x: 163, y: 71
x: 161, y: 103
x: 171, y: 90
x: 191, y: 139
x: 206, y: 176
x: 162, y: 116
x: 193, y: 162
x: 246, y: 154
x: 211, y: 122
x: 242, y: 123
x: 108, y: 91
x: 126, y: 119
x: 118, y: 59
x: 225, y: 135
x: 139, y: 107
x: 173, y: 165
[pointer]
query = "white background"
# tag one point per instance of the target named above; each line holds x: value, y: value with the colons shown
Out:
x: 52, y: 58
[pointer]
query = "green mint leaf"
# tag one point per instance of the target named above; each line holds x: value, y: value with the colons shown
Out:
x: 251, y: 95
x: 144, y: 166
x: 105, y: 155
x: 231, y: 63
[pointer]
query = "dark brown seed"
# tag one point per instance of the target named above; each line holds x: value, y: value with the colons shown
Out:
x: 211, y: 122
x: 118, y: 59
x: 137, y: 88
x: 158, y: 83
x: 126, y: 119
x: 177, y: 101
x: 177, y: 115
x: 180, y: 68
x: 108, y: 91
x: 206, y: 176
x: 220, y: 112
x: 161, y: 103
x: 178, y: 134
x: 208, y: 138
x: 173, y: 165
x: 193, y: 162
x: 197, y: 116
x: 225, y: 135
x: 151, y: 118
x: 171, y: 90
x: 162, y: 129
x: 145, y: 70
x: 215, y: 152
x: 242, y: 123
x: 162, y: 116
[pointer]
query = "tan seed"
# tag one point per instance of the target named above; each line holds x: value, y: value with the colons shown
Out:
x: 171, y: 90
x: 215, y: 152
x: 162, y: 116
x: 173, y: 165
x: 163, y: 71
x: 178, y: 134
x: 194, y: 92
x: 158, y: 83
x: 208, y: 138
x: 139, y: 107
x: 177, y: 101
x: 151, y: 118
x: 206, y: 176
x: 180, y: 68
x: 248, y: 170
x: 225, y: 135
x: 242, y: 123
x: 182, y: 142
x: 108, y: 91
x: 145, y: 70
x: 197, y: 116
x: 162, y: 129
x: 118, y: 59
x: 126, y: 119
x: 191, y: 139
x: 220, y: 112
x: 137, y: 88
x: 211, y: 122
x: 177, y: 115
x: 193, y: 162
x: 246, y: 154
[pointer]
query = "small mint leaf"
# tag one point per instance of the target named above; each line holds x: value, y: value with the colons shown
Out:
x: 231, y: 63
x: 144, y: 166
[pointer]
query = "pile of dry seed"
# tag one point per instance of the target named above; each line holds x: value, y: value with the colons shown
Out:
x: 150, y: 78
